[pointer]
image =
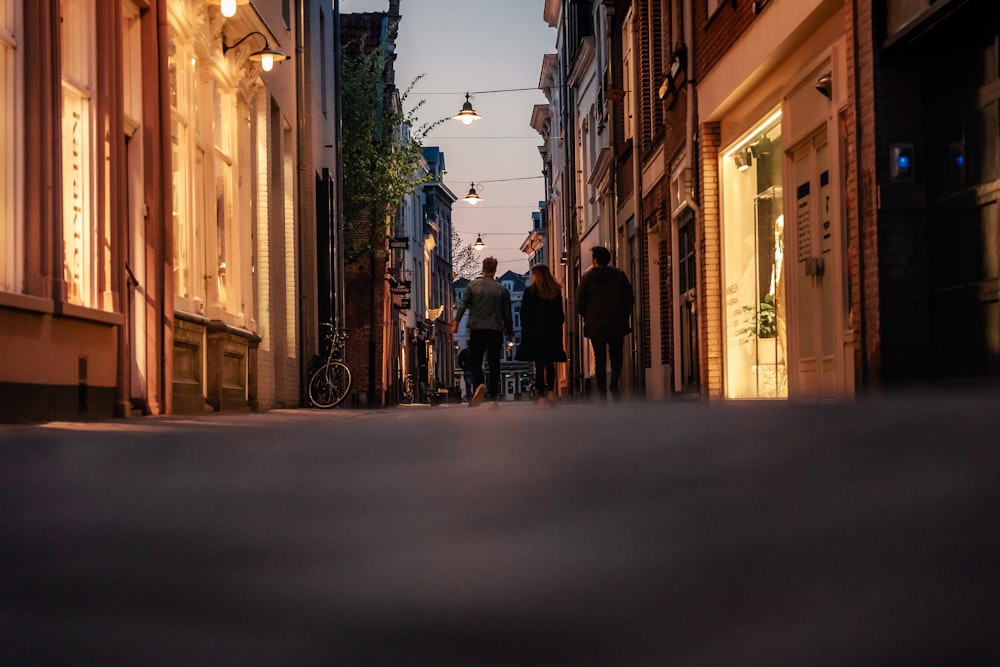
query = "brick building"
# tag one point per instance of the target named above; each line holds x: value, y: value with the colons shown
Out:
x: 804, y: 192
x: 368, y: 302
x: 929, y: 94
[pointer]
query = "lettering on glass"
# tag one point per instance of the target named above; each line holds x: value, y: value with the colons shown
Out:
x: 74, y: 234
x: 802, y: 219
x: 824, y: 194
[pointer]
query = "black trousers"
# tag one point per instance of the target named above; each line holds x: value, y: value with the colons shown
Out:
x: 604, y: 349
x: 486, y: 342
x: 545, y: 377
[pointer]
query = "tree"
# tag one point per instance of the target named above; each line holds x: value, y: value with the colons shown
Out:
x: 465, y: 261
x: 382, y: 154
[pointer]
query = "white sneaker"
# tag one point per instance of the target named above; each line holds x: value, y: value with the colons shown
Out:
x: 477, y: 396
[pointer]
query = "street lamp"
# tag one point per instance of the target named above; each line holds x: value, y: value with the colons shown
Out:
x: 478, y: 245
x: 472, y: 198
x: 228, y: 7
x: 467, y: 115
x: 266, y: 56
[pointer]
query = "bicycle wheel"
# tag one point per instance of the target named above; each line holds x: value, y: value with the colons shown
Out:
x: 329, y: 384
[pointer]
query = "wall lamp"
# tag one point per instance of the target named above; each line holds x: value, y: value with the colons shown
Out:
x: 467, y: 115
x: 266, y: 56
x: 472, y: 198
x: 228, y: 7
x: 744, y: 159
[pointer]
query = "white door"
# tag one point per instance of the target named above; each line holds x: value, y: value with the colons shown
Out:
x: 815, y: 272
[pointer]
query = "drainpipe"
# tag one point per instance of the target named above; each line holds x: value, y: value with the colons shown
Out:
x: 337, y: 233
x: 164, y: 250
x: 305, y: 319
x: 691, y: 151
x: 570, y: 242
x: 691, y: 142
x: 639, y: 321
x: 862, y: 319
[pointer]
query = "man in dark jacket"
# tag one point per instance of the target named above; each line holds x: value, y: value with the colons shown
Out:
x: 490, y: 319
x: 604, y: 299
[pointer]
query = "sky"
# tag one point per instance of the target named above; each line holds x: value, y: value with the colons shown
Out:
x: 477, y: 46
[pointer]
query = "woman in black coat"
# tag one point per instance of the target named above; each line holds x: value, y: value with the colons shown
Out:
x: 542, y: 319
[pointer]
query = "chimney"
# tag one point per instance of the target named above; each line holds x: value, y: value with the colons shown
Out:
x: 394, y: 9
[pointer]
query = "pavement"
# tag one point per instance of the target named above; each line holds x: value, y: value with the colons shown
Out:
x: 641, y: 533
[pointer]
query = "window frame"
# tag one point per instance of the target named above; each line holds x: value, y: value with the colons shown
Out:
x: 79, y: 145
x: 12, y: 167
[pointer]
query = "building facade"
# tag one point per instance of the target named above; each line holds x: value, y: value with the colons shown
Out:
x: 85, y: 203
x: 162, y: 203
x: 775, y: 185
x: 927, y: 187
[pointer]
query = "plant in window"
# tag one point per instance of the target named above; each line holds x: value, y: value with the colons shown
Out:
x: 763, y: 321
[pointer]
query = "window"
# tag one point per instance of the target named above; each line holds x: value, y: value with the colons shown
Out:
x: 223, y: 109
x: 753, y: 241
x: 627, y: 76
x: 11, y: 223
x: 900, y: 12
x: 322, y: 62
x: 182, y: 67
x: 81, y: 250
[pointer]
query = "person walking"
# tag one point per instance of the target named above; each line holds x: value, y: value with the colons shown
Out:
x: 604, y: 299
x: 542, y: 319
x: 490, y: 320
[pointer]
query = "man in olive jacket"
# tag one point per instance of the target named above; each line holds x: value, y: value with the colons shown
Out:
x: 604, y: 300
x: 490, y: 319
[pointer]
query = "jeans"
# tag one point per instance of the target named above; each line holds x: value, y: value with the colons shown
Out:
x: 470, y: 385
x: 603, y: 350
x: 487, y: 342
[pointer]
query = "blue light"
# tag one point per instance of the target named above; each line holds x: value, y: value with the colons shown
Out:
x: 959, y: 161
x: 903, y: 161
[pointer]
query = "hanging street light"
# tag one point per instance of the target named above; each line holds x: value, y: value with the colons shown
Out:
x: 467, y: 115
x: 478, y: 245
x: 472, y: 198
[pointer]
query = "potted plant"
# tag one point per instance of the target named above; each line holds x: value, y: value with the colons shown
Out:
x: 763, y: 324
x: 764, y: 321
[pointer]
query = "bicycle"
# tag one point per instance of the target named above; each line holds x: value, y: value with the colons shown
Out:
x: 409, y: 390
x: 532, y: 390
x: 330, y: 380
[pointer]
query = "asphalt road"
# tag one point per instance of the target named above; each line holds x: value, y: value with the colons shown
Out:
x: 865, y: 533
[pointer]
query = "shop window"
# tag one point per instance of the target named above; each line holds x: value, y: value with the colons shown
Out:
x: 185, y: 162
x: 11, y: 223
x: 222, y: 107
x: 753, y: 231
x: 898, y: 13
x: 81, y: 250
